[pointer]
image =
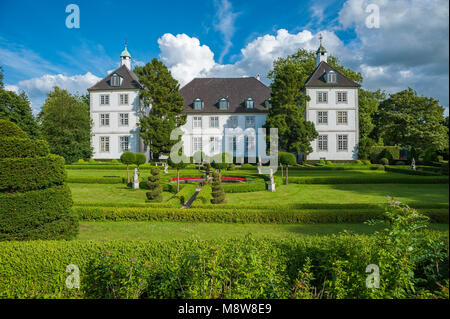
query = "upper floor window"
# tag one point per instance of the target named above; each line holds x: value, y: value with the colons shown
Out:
x: 123, y: 119
x: 331, y: 77
x: 198, y: 104
x: 104, y: 144
x: 342, y: 117
x: 197, y: 122
x: 104, y: 99
x: 342, y: 142
x: 214, y: 121
x: 104, y: 119
x: 341, y: 97
x: 223, y: 104
x: 233, y: 121
x: 250, y: 122
x: 123, y: 99
x: 115, y: 80
x: 322, y: 97
x: 249, y: 103
x: 322, y: 117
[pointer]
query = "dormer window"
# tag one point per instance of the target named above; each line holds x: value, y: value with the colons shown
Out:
x: 223, y: 104
x: 331, y: 77
x: 249, y: 103
x: 267, y: 104
x: 198, y: 104
x: 115, y: 80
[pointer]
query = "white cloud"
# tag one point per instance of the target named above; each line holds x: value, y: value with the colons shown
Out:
x: 225, y: 18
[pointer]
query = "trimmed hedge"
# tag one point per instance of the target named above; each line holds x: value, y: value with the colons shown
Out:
x: 106, y: 166
x: 406, y: 170
x: 192, y: 269
x: 337, y: 167
x: 38, y: 214
x: 204, y: 196
x: 22, y: 147
x: 95, y: 180
x: 186, y: 193
x: 24, y: 174
x: 10, y: 129
x: 244, y: 187
x: 370, y: 180
x: 239, y: 215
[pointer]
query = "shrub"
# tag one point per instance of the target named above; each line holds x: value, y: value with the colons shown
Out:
x: 375, y: 179
x: 204, y: 196
x: 384, y: 161
x: 389, y: 152
x: 128, y: 158
x: 140, y: 159
x: 114, y: 161
x: 359, y: 162
x: 185, y: 193
x: 154, y: 186
x: 247, y: 166
x: 218, y: 194
x: 444, y: 169
x: 22, y: 147
x: 329, y: 162
x: 366, y: 162
x: 400, y: 163
x: 244, y: 187
x: 92, y: 161
x: 10, y: 129
x: 94, y: 180
x: 232, y: 167
x: 81, y: 161
x: 221, y: 161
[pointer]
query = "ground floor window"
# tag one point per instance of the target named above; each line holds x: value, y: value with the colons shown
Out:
x: 124, y: 143
x: 342, y: 141
x: 197, y: 144
x: 104, y: 144
x: 214, y: 144
x: 322, y: 143
x: 250, y: 145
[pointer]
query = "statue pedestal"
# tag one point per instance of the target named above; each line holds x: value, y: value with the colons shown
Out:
x: 271, y: 187
x: 135, y: 185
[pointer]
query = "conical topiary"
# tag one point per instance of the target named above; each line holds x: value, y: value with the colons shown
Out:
x: 35, y: 203
x: 218, y: 194
x: 155, y: 193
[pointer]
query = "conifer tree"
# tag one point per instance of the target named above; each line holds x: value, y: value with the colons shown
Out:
x: 155, y: 193
x: 218, y: 193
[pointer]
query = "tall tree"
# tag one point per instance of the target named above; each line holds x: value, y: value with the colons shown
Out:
x: 66, y: 125
x: 288, y: 100
x: 1, y: 77
x: 166, y: 114
x: 16, y: 108
x: 413, y: 121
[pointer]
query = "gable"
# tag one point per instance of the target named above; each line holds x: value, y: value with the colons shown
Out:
x: 128, y: 80
x: 318, y: 78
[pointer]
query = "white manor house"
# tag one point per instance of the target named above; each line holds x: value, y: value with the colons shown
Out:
x: 214, y: 105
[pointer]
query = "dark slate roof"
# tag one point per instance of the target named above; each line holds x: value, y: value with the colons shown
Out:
x: 129, y: 81
x: 237, y: 90
x: 317, y: 78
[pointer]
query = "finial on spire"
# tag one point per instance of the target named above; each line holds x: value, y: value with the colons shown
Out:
x: 126, y: 43
x: 320, y: 38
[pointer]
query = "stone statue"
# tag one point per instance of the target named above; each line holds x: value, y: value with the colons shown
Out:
x: 413, y: 164
x: 136, y: 179
x: 166, y: 168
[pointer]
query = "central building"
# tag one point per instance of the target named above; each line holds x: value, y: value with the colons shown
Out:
x: 214, y: 105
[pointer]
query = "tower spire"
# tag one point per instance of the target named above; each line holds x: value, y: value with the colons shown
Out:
x: 321, y: 52
x: 125, y: 57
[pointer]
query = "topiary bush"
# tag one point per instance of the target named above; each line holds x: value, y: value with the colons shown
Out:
x: 140, y: 159
x: 9, y: 129
x: 218, y: 194
x: 384, y: 161
x: 154, y: 185
x: 34, y: 202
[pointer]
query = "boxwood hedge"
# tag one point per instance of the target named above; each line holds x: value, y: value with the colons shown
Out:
x: 22, y: 147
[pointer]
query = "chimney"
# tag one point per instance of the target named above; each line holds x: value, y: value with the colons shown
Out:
x: 258, y: 77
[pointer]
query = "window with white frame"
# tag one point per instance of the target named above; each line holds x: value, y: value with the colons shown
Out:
x: 104, y: 119
x: 214, y: 121
x: 104, y: 144
x: 124, y: 143
x: 123, y: 119
x: 223, y: 104
x: 342, y: 142
x: 249, y: 103
x: 322, y: 117
x: 232, y: 144
x: 250, y: 144
x: 322, y: 143
x: 322, y: 97
x: 197, y: 122
x: 250, y: 122
x: 341, y: 97
x: 198, y: 104
x: 331, y: 77
x: 214, y: 144
x: 197, y: 144
x: 123, y: 99
x: 104, y: 99
x: 115, y: 80
x: 342, y: 117
x: 233, y: 121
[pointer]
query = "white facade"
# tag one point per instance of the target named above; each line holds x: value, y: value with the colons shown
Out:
x: 335, y: 121
x: 207, y: 133
x: 114, y: 129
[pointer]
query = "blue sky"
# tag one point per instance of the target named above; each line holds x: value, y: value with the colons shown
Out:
x: 222, y: 38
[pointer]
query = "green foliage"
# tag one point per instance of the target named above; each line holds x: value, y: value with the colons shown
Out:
x: 199, y: 157
x: 81, y: 161
x: 185, y: 193
x: 368, y: 107
x: 413, y: 121
x: 203, y: 197
x: 16, y: 108
x: 218, y: 193
x: 162, y: 92
x: 92, y: 161
x: 128, y: 158
x: 10, y: 129
x: 66, y: 125
x: 286, y: 158
x: 376, y: 153
x: 154, y: 185
x: 140, y: 159
x: 384, y: 161
x: 244, y: 187
x: 1, y: 77
x: 365, y: 146
x: 221, y: 161
x: 373, y: 179
x: 22, y: 147
x: 23, y: 174
x: 94, y: 180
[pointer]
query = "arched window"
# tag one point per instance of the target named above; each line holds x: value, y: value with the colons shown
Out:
x: 115, y: 80
x: 331, y: 77
x: 249, y: 103
x: 198, y: 104
x: 223, y: 104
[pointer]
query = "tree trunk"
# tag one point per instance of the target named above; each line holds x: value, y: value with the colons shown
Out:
x: 178, y: 180
x: 282, y: 175
x: 128, y: 176
x: 287, y: 174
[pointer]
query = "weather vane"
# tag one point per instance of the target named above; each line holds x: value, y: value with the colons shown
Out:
x: 320, y: 38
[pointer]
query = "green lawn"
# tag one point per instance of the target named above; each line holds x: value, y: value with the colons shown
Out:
x: 109, y: 193
x: 345, y: 193
x: 101, y: 231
